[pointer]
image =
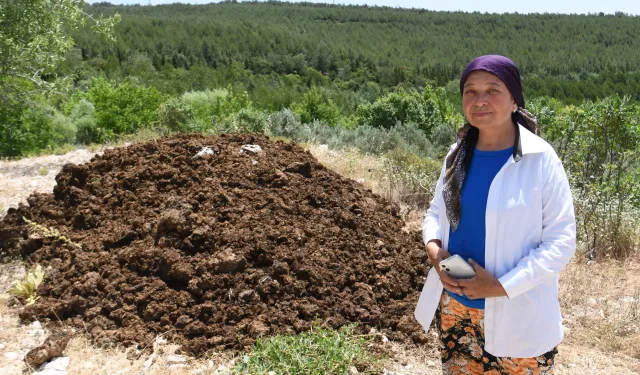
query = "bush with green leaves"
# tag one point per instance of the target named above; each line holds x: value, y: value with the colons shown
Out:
x: 208, y: 104
x: 598, y: 144
x: 247, y: 120
x: 315, y: 105
x: 82, y: 115
x: 121, y: 108
x: 176, y: 115
x: 27, y: 130
x: 401, y: 107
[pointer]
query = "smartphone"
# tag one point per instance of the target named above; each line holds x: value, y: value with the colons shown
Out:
x: 457, y: 267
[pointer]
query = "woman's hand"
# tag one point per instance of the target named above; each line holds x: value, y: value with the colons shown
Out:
x: 482, y: 285
x: 436, y: 255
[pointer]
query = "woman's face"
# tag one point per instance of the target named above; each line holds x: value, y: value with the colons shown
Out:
x: 486, y: 101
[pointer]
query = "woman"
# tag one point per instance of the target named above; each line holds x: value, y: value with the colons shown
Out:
x: 503, y: 202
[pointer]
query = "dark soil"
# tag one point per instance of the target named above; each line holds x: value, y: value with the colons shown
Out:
x: 217, y: 250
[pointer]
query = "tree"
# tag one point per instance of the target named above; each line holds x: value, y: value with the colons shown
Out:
x: 34, y: 37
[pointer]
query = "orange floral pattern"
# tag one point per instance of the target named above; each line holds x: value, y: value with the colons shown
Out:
x: 461, y: 334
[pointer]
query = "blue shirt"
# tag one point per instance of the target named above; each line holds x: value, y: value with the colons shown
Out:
x: 469, y: 239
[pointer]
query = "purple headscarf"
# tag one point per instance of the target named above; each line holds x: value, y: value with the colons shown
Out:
x: 500, y: 66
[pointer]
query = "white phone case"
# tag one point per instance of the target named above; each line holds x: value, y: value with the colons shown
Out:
x: 457, y: 267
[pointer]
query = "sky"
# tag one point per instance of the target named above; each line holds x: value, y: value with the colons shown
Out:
x: 490, y: 6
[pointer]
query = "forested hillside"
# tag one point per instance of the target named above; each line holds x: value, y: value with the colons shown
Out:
x: 569, y: 57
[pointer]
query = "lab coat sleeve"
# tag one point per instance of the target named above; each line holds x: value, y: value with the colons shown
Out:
x: 558, y: 241
x: 431, y: 225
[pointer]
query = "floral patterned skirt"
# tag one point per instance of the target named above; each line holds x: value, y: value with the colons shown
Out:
x: 461, y: 334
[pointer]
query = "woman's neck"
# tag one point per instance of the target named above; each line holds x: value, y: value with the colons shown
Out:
x: 498, y: 138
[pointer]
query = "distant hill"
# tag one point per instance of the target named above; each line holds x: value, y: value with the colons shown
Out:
x: 568, y: 56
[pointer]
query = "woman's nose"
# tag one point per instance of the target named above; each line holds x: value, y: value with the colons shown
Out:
x: 481, y: 99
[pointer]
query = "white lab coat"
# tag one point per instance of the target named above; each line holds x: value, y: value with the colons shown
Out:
x: 530, y: 238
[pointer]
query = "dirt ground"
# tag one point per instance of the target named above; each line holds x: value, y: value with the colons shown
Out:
x: 587, y: 300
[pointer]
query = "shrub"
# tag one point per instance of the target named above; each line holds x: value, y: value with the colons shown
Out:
x: 175, y: 115
x: 83, y: 117
x: 315, y: 105
x: 401, y: 107
x: 205, y: 104
x: 246, y: 120
x: 597, y: 143
x: 123, y: 108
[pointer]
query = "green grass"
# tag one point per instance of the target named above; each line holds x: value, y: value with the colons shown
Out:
x: 319, y: 351
x: 43, y: 171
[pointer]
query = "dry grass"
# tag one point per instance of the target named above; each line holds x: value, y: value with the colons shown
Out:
x: 601, y: 305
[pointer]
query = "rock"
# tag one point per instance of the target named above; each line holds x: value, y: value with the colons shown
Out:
x: 384, y: 339
x: 57, y: 366
x: 13, y: 356
x: 431, y: 363
x: 353, y: 371
x: 53, y: 346
x: 35, y: 329
x: 205, y: 151
x: 253, y: 149
x: 149, y: 362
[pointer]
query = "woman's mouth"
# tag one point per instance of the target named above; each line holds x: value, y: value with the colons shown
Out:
x: 481, y: 114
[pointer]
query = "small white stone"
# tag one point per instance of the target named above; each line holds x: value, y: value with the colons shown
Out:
x: 222, y: 370
x: 205, y: 151
x: 1, y: 346
x: 254, y: 149
x: 254, y: 162
x: 323, y: 148
x: 87, y: 365
x: 147, y: 364
x: 385, y: 339
x: 35, y: 325
x: 57, y: 366
x: 572, y: 365
x: 408, y: 367
x: 592, y: 301
x: 431, y: 363
x: 13, y: 356
x: 176, y: 359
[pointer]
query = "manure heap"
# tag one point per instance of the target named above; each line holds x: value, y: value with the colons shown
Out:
x: 216, y: 242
